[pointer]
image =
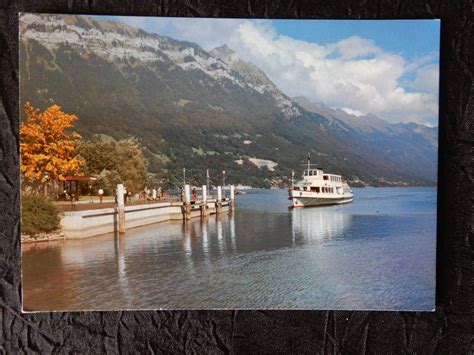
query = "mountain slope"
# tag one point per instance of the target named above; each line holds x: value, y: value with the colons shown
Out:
x: 202, y: 109
x: 409, y: 148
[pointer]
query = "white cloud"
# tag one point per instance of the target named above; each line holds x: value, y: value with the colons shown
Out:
x: 355, y: 47
x: 354, y: 73
x: 351, y: 111
x: 427, y: 79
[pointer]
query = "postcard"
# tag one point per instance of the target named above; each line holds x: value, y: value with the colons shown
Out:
x: 204, y: 163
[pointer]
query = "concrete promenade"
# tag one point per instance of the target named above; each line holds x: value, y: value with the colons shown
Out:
x: 83, y: 222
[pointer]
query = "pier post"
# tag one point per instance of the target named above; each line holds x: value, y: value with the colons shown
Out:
x: 219, y: 200
x: 187, y: 202
x: 232, y: 197
x: 204, y: 210
x: 121, y: 208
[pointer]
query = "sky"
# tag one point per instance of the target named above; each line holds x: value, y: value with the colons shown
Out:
x: 389, y: 68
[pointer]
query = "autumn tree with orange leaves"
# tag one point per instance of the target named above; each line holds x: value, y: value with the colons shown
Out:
x: 47, y: 145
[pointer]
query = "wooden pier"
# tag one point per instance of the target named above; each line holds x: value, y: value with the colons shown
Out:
x: 120, y: 218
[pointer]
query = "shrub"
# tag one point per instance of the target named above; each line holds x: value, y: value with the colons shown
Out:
x: 38, y: 215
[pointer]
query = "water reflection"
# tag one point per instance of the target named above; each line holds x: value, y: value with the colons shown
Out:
x: 337, y: 257
x: 219, y: 234
x: 319, y: 223
x: 232, y: 230
x: 120, y: 243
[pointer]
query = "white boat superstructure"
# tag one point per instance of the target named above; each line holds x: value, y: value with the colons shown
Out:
x: 318, y: 188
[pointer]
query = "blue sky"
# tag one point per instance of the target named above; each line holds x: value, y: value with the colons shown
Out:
x: 410, y: 38
x: 386, y: 67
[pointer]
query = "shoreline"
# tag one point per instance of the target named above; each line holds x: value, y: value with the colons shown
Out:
x: 83, y: 224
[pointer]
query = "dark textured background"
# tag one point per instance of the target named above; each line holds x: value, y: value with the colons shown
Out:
x: 448, y: 330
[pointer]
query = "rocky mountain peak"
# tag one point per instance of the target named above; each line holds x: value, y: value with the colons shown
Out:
x: 224, y: 53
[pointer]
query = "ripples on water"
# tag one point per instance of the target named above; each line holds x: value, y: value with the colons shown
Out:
x: 375, y: 253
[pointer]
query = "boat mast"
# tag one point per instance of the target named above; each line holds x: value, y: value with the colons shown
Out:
x: 309, y: 159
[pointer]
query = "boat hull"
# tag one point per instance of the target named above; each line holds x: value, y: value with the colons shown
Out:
x: 318, y: 201
x: 306, y: 199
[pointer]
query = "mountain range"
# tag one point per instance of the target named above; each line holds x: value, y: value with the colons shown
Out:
x: 206, y: 109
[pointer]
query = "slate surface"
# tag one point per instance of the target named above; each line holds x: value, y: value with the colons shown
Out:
x: 448, y: 330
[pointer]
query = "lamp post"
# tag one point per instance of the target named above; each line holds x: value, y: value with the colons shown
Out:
x: 46, y: 177
x: 207, y: 180
x: 223, y: 180
x: 184, y: 176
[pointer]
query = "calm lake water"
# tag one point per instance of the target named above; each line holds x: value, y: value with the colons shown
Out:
x: 375, y: 253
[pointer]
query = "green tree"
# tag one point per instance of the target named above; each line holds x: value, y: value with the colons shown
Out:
x: 98, y: 157
x: 113, y: 163
x: 132, y: 165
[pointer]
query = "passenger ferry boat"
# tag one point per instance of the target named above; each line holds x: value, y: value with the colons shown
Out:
x: 318, y: 188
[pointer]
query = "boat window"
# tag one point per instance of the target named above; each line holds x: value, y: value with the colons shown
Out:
x: 325, y: 177
x: 304, y: 188
x: 305, y: 173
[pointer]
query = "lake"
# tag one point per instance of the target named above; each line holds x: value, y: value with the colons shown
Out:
x: 376, y: 253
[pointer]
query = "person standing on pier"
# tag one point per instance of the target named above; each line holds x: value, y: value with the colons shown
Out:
x: 153, y: 193
x: 72, y: 197
x: 101, y: 195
